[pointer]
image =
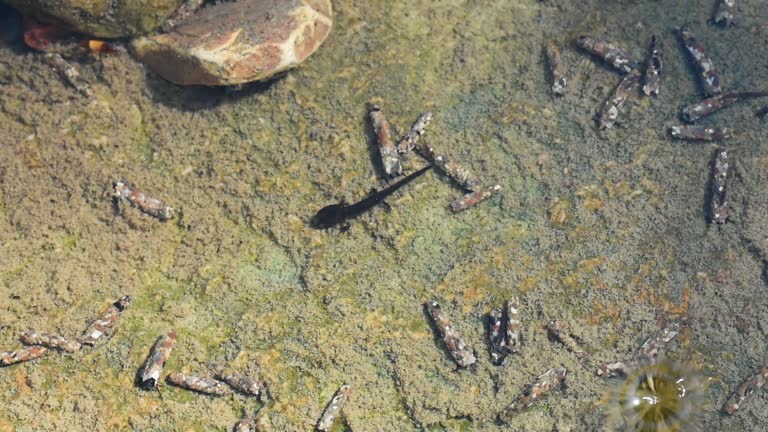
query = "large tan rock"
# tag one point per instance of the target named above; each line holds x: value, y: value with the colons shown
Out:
x: 101, y: 18
x: 238, y: 42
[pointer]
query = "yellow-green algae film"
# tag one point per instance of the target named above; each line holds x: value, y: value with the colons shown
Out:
x: 604, y: 231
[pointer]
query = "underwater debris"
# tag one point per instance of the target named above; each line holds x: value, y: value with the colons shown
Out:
x: 105, y: 323
x: 392, y: 159
x: 645, y: 355
x: 620, y: 59
x: 560, y: 332
x: 710, y: 81
x: 745, y: 391
x: 239, y: 382
x: 508, y: 321
x: 149, y: 375
x: 465, y: 179
x: 20, y: 355
x: 710, y: 105
x: 699, y: 133
x: 473, y: 198
x: 544, y: 383
x: 460, y: 352
x: 651, y: 347
x: 246, y: 424
x: 253, y: 423
x: 387, y: 149
x: 719, y: 202
x: 68, y: 72
x: 609, y: 113
x: 411, y: 138
x: 393, y: 163
x: 610, y: 370
x: 496, y: 337
x: 653, y: 68
x: 455, y: 171
x: 556, y: 68
x: 335, y: 214
x: 33, y: 337
x: 151, y: 206
x: 334, y: 408
x: 724, y: 12
x: 514, y: 327
x: 204, y: 385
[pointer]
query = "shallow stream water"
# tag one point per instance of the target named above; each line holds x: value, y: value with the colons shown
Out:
x: 604, y: 231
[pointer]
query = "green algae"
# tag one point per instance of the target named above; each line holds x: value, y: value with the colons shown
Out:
x: 68, y: 241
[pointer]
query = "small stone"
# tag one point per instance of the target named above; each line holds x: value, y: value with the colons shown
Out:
x: 237, y: 42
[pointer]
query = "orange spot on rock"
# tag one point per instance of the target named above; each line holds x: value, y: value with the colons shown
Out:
x: 663, y: 303
x: 604, y: 312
